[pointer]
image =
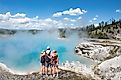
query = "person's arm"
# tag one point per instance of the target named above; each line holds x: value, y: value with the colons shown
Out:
x: 41, y: 55
x: 57, y: 60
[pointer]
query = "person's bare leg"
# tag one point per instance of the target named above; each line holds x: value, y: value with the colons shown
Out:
x: 43, y: 69
x: 46, y: 70
x: 56, y: 71
x: 49, y: 70
x: 53, y: 71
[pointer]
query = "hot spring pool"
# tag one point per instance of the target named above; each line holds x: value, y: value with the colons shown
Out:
x: 21, y: 51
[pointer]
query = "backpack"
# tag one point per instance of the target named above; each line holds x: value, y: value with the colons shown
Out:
x: 42, y: 59
x: 47, y: 59
x: 54, y: 59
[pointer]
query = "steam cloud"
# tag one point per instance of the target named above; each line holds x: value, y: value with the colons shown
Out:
x: 21, y: 51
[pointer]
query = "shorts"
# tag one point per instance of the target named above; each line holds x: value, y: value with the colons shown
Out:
x: 43, y: 64
x: 48, y: 64
x: 54, y: 65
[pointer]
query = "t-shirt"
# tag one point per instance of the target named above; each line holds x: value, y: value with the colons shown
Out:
x: 48, y: 51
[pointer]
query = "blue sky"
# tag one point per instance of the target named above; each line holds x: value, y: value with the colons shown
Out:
x: 96, y: 10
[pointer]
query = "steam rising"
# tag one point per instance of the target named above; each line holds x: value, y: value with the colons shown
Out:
x: 21, y: 51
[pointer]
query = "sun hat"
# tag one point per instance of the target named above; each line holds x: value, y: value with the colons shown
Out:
x: 48, y: 47
x: 43, y: 51
x: 54, y: 51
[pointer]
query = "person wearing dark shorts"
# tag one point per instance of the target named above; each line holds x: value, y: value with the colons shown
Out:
x: 48, y: 61
x: 42, y: 61
x: 48, y: 64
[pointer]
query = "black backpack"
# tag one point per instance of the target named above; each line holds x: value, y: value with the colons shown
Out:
x: 47, y: 59
x: 42, y: 59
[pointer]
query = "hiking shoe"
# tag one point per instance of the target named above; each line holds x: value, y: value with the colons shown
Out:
x: 56, y: 75
x: 46, y: 75
x: 53, y: 75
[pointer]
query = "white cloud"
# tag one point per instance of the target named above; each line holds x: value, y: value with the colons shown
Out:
x: 71, y: 12
x: 48, y: 20
x: 6, y: 16
x: 72, y: 24
x: 80, y: 17
x: 19, y: 15
x: 73, y: 20
x: 96, y: 25
x: 57, y: 14
x: 68, y: 19
x: 96, y: 16
x: 118, y: 11
x: 90, y: 21
x: 21, y: 21
x: 36, y: 17
x: 94, y: 19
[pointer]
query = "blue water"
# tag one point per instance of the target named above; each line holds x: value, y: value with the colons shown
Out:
x: 21, y: 51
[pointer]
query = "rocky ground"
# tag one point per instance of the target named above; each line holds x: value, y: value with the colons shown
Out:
x: 107, y: 54
x: 63, y: 75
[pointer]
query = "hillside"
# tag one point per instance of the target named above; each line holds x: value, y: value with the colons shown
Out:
x: 105, y: 30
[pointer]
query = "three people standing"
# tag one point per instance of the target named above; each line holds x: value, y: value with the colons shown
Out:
x: 49, y: 61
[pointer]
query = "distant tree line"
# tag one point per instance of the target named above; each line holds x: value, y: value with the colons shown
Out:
x: 105, y: 30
